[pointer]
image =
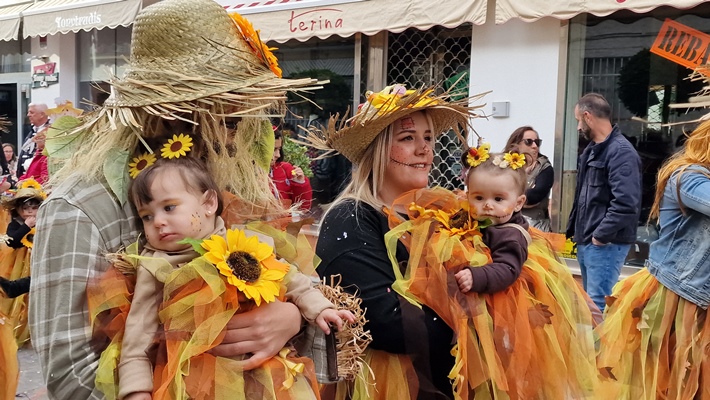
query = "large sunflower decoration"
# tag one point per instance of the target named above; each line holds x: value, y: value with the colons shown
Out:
x: 261, y: 50
x: 31, y: 183
x: 29, y: 238
x: 247, y: 263
x: 456, y: 222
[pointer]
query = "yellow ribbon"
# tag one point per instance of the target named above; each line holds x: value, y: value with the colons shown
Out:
x: 291, y: 368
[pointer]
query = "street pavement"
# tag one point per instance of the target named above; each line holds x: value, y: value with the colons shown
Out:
x: 31, y: 384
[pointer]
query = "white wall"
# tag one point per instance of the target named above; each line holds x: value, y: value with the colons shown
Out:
x: 519, y: 62
x: 61, y: 48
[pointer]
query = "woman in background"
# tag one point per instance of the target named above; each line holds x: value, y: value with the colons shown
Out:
x: 540, y: 176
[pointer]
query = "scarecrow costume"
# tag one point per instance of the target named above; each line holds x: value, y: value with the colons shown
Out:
x: 392, y: 375
x: 15, y: 272
x: 499, y: 337
x: 192, y: 64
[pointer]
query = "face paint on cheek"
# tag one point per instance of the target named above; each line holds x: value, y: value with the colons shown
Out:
x: 407, y: 123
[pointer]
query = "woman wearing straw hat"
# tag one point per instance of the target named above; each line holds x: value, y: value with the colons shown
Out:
x: 192, y: 69
x: 390, y: 142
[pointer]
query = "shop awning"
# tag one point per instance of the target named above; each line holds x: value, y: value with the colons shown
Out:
x: 10, y: 18
x: 304, y: 19
x: 532, y: 10
x: 47, y: 17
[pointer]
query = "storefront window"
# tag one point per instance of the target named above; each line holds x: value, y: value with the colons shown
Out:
x: 14, y: 56
x: 610, y: 55
x: 332, y: 59
x: 101, y: 53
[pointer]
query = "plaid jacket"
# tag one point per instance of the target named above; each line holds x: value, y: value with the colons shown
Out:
x: 79, y: 223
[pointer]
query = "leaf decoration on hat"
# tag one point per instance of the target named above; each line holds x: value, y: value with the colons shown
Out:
x: 263, y: 147
x: 63, y: 140
x: 116, y: 174
x: 261, y: 50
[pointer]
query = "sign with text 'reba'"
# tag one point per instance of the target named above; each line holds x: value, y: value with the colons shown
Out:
x: 682, y: 45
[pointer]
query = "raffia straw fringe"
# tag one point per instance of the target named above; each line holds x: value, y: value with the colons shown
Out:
x: 353, y: 339
x: 119, y: 261
x: 4, y: 124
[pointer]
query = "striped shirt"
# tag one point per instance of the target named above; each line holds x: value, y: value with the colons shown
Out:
x: 77, y: 225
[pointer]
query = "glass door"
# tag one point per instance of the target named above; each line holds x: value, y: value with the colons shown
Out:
x: 14, y: 98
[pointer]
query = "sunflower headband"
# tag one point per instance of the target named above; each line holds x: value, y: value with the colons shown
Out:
x: 176, y: 147
x: 476, y: 156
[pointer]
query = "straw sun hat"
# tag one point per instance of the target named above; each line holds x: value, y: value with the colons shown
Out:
x: 351, y: 137
x: 173, y: 64
x: 28, y: 189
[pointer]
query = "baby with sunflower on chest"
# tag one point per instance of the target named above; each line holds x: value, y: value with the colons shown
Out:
x: 193, y: 275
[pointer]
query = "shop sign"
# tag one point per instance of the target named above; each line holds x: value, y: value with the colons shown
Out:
x: 316, y: 20
x: 75, y: 21
x: 44, y: 75
x: 683, y: 45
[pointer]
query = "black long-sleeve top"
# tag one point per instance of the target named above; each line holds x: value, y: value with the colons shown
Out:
x: 351, y: 244
x: 543, y: 183
x: 16, y: 231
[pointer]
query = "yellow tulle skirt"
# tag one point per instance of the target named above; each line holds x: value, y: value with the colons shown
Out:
x: 9, y: 368
x: 653, y: 344
x: 197, y: 305
x: 533, y: 340
x: 15, y: 264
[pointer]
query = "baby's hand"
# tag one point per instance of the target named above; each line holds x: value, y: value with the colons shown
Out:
x: 465, y: 280
x: 333, y: 316
x: 138, y: 396
x: 31, y: 221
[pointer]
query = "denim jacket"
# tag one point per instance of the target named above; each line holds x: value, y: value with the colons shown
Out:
x: 607, y: 200
x: 680, y: 258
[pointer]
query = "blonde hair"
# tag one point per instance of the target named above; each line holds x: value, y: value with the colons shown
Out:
x: 368, y: 176
x: 695, y: 152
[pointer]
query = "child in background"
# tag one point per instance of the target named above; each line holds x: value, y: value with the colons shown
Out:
x: 523, y: 325
x: 19, y: 236
x: 192, y: 299
x: 292, y: 185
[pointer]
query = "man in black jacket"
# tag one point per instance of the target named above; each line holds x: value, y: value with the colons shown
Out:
x: 607, y: 200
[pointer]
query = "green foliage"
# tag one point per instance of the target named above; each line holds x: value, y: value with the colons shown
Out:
x: 295, y: 154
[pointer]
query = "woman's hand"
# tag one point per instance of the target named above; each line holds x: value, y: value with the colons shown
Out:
x: 298, y: 175
x: 261, y: 333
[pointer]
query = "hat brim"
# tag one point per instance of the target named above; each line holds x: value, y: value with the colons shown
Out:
x: 352, y: 137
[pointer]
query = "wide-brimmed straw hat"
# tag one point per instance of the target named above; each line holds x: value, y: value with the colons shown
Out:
x: 351, y: 137
x: 172, y: 63
x: 27, y: 189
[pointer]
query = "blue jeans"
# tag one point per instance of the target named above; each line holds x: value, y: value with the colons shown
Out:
x: 601, y: 267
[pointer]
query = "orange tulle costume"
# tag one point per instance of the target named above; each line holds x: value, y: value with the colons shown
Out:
x: 532, y: 340
x: 197, y: 304
x: 14, y: 332
x: 653, y: 344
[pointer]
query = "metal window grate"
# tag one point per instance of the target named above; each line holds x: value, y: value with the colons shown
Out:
x: 425, y: 58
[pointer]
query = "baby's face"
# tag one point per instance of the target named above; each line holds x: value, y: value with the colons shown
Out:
x: 27, y: 210
x: 175, y: 213
x: 494, y: 196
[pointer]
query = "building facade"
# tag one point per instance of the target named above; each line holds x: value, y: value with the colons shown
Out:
x: 536, y: 57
